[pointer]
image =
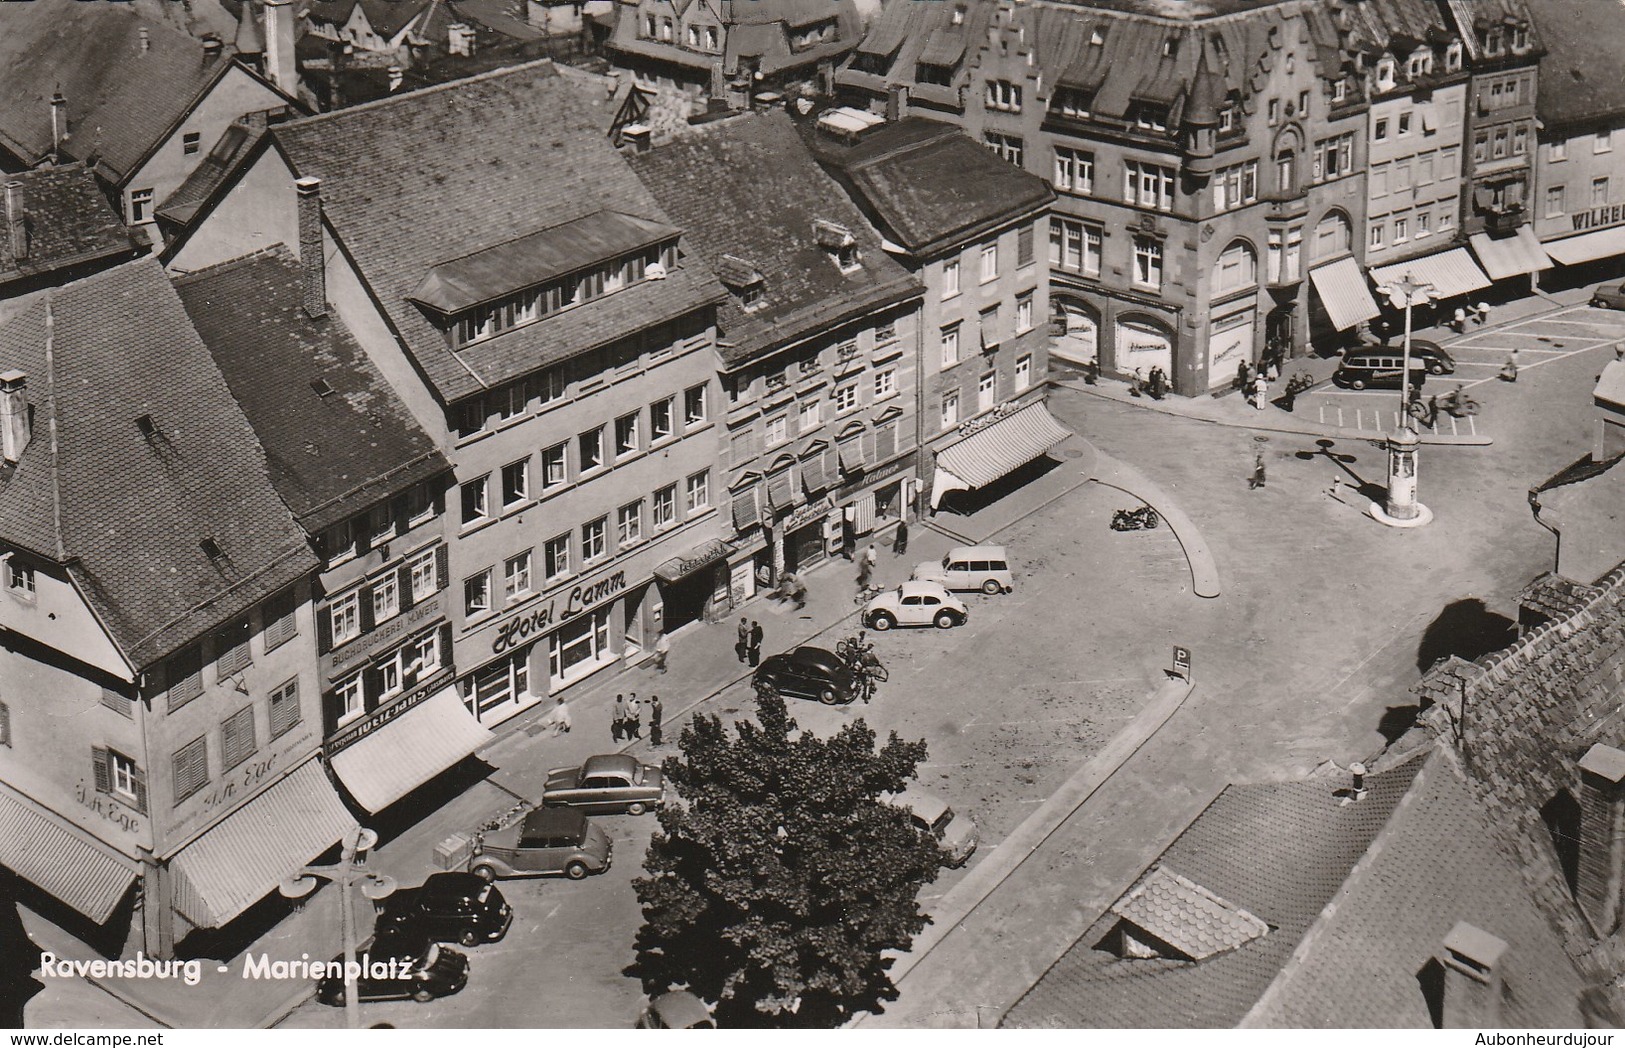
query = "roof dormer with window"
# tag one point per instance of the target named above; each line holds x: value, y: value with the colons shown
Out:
x: 838, y: 242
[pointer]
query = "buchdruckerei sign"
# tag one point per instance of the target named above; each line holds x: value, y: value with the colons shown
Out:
x: 533, y: 621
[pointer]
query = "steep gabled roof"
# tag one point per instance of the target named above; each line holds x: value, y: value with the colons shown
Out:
x: 417, y: 179
x: 337, y: 438
x: 128, y: 510
x: 1580, y: 71
x: 122, y: 97
x: 750, y: 194
x: 69, y: 224
x: 237, y: 143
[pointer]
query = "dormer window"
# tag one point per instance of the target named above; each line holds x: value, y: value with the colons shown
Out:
x: 1520, y: 38
x: 1385, y: 73
x: 510, y: 285
x: 1340, y: 90
x: 1149, y: 116
x: 1170, y: 47
x: 1227, y: 118
x: 1419, y: 64
x: 1002, y: 94
x: 930, y: 73
x: 743, y: 279
x: 1493, y: 41
x: 1452, y: 56
x: 839, y: 242
x: 813, y: 35
x: 958, y: 16
x: 1095, y: 39
x: 1072, y: 101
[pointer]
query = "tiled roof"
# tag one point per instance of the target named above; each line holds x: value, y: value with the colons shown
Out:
x: 1186, y: 916
x: 1555, y: 596
x: 1470, y: 14
x: 928, y: 182
x: 758, y: 29
x: 1579, y: 73
x: 1278, y: 850
x: 69, y: 223
x: 749, y: 194
x: 226, y: 155
x: 121, y: 99
x: 331, y: 453
x: 499, y: 16
x: 411, y: 180
x: 133, y: 510
x: 1435, y: 864
x: 387, y: 17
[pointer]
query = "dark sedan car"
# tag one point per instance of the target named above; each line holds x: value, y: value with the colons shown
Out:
x: 606, y: 784
x: 1609, y: 296
x: 448, y: 907
x: 397, y: 966
x: 808, y: 673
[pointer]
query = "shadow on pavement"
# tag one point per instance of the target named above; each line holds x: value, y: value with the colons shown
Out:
x: 1467, y: 629
x: 18, y: 959
x: 1396, y: 721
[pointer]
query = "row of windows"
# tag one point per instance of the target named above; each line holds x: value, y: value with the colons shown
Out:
x: 986, y: 391
x: 381, y: 524
x: 988, y: 262
x: 237, y: 743
x: 633, y: 434
x: 1601, y: 142
x: 989, y: 330
x: 381, y: 597
x: 813, y: 364
x: 229, y: 649
x: 596, y: 542
x: 408, y: 665
x: 1421, y: 170
x: 1426, y: 118
x: 809, y: 415
x: 1394, y: 230
x: 1501, y: 142
x: 1506, y: 94
x: 701, y: 38
x: 1075, y: 246
x: 1557, y: 204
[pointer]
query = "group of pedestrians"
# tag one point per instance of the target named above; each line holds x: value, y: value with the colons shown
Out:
x: 1255, y: 380
x: 627, y: 722
x: 749, y: 647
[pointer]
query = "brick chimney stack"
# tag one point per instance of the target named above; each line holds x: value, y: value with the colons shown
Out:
x: 14, y: 426
x: 1472, y: 978
x: 1601, y: 876
x: 59, y: 124
x: 310, y: 246
x: 17, y: 220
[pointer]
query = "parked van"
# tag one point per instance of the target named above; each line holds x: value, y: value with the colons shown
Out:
x: 1378, y: 367
x: 986, y: 568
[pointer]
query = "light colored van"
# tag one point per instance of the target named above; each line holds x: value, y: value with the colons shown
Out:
x: 956, y: 833
x: 985, y: 568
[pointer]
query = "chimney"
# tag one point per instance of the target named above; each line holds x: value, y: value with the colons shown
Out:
x: 17, y: 220
x: 310, y: 246
x: 280, y: 64
x: 1472, y: 978
x: 14, y: 428
x: 637, y: 137
x: 397, y: 77
x: 212, y: 48
x: 896, y: 102
x: 146, y: 39
x: 59, y: 124
x: 1598, y: 881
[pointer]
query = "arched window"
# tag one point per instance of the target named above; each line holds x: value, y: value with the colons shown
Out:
x: 1286, y: 170
x: 1333, y: 236
x: 1238, y: 268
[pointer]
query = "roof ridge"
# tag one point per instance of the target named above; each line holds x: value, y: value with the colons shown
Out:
x: 50, y: 396
x: 1323, y: 920
x: 229, y: 264
x: 387, y: 100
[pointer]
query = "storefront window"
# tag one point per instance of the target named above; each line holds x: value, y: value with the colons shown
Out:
x: 579, y: 646
x: 505, y: 680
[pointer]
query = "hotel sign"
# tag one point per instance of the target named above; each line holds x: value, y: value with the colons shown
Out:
x: 1598, y: 217
x: 528, y: 623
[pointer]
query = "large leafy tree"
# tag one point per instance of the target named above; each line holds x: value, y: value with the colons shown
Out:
x: 778, y: 883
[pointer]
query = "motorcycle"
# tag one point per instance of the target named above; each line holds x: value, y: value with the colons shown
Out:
x: 1135, y: 519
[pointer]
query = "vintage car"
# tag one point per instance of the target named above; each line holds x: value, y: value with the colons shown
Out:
x: 809, y: 673
x: 543, y: 841
x: 915, y: 604
x: 607, y: 784
x: 448, y: 907
x: 956, y: 833
x: 676, y: 1010
x: 399, y: 965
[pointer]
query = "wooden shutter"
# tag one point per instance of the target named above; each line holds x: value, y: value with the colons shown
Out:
x: 191, y: 768
x: 117, y: 703
x: 237, y: 738
x: 5, y: 725
x: 284, y: 708
x: 103, y: 769
x: 403, y: 587
x: 442, y: 567
x: 1024, y: 246
x: 324, y: 630
x: 138, y: 779
x: 364, y: 598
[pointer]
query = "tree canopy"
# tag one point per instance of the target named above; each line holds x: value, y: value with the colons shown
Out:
x: 776, y: 885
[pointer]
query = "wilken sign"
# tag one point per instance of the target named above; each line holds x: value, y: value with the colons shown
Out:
x: 529, y: 623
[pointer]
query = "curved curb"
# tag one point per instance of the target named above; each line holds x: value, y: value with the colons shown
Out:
x: 1125, y: 478
x: 1269, y: 423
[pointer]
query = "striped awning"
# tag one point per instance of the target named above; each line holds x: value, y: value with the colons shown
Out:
x: 1511, y: 256
x: 1587, y: 247
x: 1344, y: 292
x: 863, y: 513
x: 1450, y: 273
x: 996, y: 449
x: 244, y: 857
x: 45, y: 851
x: 407, y: 752
x: 747, y: 508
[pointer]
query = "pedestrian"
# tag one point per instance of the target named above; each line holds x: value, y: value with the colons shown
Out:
x: 1481, y: 312
x: 634, y: 717
x: 662, y: 649
x: 1257, y: 479
x: 755, y: 643
x: 1261, y: 392
x: 1433, y: 410
x: 656, y: 712
x: 1244, y: 378
x: 899, y: 542
x: 744, y: 638
x: 1136, y: 385
x: 1459, y: 322
x: 617, y: 724
x: 1159, y: 383
x: 557, y: 718
x: 1091, y: 372
x: 1509, y: 371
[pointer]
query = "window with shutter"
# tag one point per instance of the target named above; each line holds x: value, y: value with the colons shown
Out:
x: 5, y: 725
x: 191, y: 768
x: 237, y: 738
x: 442, y: 568
x: 403, y: 587
x: 1024, y: 246
x: 280, y: 626
x: 103, y: 772
x: 284, y: 708
x: 117, y: 703
x: 231, y: 649
x: 185, y: 673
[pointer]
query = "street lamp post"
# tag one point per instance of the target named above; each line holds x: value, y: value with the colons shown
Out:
x: 1403, y: 510
x: 350, y: 870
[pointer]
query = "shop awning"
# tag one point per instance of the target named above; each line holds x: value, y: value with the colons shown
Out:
x: 255, y: 848
x: 1512, y: 256
x: 747, y: 508
x: 410, y: 750
x: 703, y: 555
x: 1451, y: 273
x: 1344, y: 293
x: 781, y: 489
x: 39, y: 848
x: 1587, y: 247
x: 995, y: 450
